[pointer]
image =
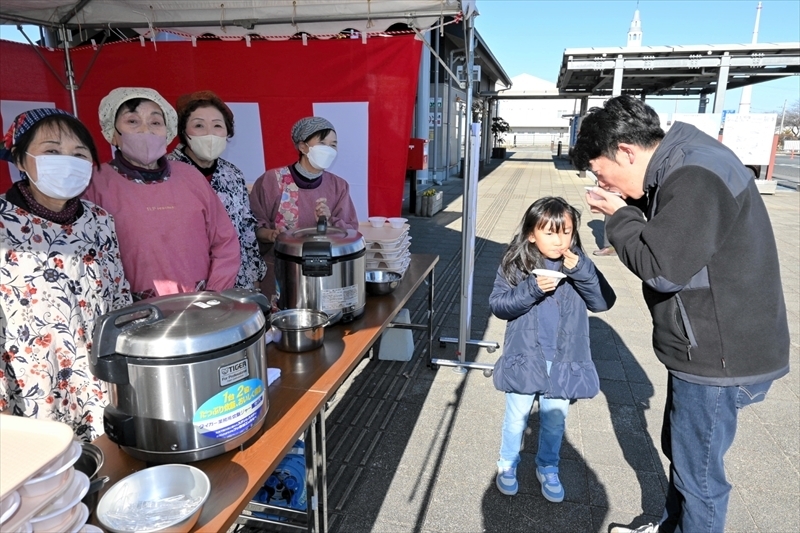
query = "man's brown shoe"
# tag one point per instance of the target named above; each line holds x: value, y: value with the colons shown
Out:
x: 605, y: 251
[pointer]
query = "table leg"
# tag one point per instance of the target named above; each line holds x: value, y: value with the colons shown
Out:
x: 324, y: 463
x: 312, y: 485
x: 430, y: 315
x: 317, y: 475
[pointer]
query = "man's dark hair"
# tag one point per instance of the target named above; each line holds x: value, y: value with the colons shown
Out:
x: 621, y: 120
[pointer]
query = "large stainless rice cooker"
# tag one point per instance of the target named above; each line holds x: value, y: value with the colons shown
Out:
x: 321, y: 268
x: 186, y: 373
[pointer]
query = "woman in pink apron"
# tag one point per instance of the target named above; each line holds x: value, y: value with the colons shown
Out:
x: 294, y: 197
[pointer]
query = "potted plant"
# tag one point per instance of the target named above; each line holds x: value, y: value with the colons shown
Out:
x: 429, y: 202
x: 499, y: 128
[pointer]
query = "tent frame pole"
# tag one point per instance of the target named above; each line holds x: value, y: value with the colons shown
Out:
x: 70, y: 71
x: 69, y: 83
x: 468, y: 228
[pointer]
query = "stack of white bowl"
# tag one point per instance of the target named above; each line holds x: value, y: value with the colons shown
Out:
x: 388, y: 244
x: 48, y: 499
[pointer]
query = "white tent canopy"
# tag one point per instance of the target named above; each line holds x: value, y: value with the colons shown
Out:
x: 234, y: 18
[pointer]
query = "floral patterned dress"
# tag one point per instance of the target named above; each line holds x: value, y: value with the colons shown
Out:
x: 229, y: 184
x: 55, y: 281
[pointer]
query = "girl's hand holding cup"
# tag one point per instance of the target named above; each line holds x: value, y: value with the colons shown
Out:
x: 547, y: 284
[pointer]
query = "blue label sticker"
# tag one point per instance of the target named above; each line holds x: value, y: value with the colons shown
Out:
x: 232, y: 411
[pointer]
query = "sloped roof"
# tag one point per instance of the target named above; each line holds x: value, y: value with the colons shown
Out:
x: 235, y: 18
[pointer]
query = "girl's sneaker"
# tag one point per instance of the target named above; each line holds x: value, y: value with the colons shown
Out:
x: 507, y: 481
x: 552, y: 489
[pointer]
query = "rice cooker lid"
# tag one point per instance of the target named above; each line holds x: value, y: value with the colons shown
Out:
x: 192, y: 323
x: 342, y: 242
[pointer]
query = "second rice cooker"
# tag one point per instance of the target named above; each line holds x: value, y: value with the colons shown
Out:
x: 321, y: 268
x: 186, y: 374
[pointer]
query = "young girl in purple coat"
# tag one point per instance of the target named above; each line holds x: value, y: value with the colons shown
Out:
x: 543, y: 288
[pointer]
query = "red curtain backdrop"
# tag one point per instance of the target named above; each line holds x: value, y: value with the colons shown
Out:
x: 285, y: 78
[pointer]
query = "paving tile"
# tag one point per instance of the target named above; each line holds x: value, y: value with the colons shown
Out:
x: 743, y: 468
x: 400, y: 498
x: 617, y: 450
x: 616, y: 391
x: 452, y: 509
x: 738, y: 518
x: 537, y: 515
x: 772, y: 511
x: 354, y: 523
x: 604, y: 350
x: 625, y: 490
x: 611, y: 370
x: 786, y: 438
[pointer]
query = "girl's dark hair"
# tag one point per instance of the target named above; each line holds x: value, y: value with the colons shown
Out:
x: 65, y: 124
x: 623, y: 119
x: 522, y: 256
x: 183, y: 118
x: 321, y: 134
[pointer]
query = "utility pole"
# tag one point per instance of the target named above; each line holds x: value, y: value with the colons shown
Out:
x: 783, y: 115
x: 747, y: 90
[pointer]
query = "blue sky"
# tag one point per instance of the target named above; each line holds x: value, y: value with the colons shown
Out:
x: 529, y: 36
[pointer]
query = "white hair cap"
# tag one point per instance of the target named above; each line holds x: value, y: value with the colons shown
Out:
x: 110, y: 104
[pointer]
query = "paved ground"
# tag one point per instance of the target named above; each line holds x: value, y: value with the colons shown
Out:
x: 413, y: 449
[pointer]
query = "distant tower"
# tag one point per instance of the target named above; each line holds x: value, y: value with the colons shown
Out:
x: 635, y: 31
x: 747, y: 90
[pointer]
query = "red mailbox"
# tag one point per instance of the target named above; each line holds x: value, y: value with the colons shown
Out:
x: 417, y: 154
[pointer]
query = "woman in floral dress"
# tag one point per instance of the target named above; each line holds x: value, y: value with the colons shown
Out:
x: 296, y: 196
x: 205, y: 123
x: 60, y: 269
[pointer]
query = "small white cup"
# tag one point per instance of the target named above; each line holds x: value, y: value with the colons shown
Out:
x: 397, y: 222
x: 377, y: 222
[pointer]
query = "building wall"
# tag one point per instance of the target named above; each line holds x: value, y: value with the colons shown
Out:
x: 538, y: 121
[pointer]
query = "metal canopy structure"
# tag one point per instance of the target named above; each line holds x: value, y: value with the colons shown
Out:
x: 483, y: 55
x: 234, y: 18
x: 674, y: 70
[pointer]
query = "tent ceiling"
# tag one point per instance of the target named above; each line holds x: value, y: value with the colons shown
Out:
x: 232, y: 18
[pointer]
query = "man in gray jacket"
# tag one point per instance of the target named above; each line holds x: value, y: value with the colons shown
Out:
x: 705, y: 252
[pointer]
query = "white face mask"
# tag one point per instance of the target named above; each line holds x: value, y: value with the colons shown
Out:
x: 207, y: 147
x: 321, y: 156
x: 61, y: 177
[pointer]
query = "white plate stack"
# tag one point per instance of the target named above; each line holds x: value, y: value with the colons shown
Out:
x: 40, y: 490
x: 388, y: 248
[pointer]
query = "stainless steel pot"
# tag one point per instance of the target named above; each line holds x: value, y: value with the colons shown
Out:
x: 187, y: 374
x: 299, y: 330
x: 321, y: 268
x: 90, y: 462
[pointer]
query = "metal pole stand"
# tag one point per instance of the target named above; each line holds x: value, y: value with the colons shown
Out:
x: 461, y: 368
x: 490, y: 346
x: 468, y: 230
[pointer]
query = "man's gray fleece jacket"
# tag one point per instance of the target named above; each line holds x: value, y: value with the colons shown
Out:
x: 709, y: 264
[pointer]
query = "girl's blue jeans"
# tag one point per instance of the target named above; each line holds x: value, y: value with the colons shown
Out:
x: 552, y: 419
